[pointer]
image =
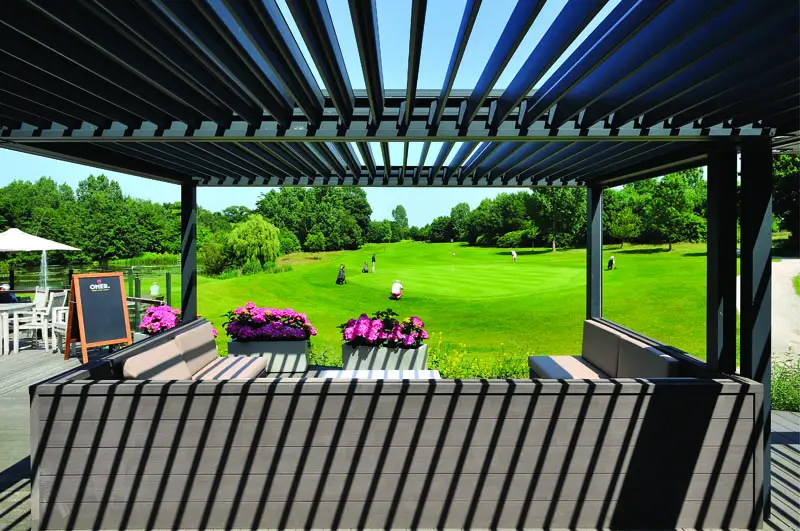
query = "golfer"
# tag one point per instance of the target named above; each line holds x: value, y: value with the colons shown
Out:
x: 513, y: 255
x: 612, y: 264
x: 397, y: 290
x: 373, y: 262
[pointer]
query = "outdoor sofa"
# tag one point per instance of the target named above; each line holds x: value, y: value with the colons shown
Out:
x: 191, y: 355
x: 607, y: 353
x: 109, y: 451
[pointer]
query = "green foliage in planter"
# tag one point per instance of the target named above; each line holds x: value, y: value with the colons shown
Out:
x: 786, y: 385
x: 454, y: 362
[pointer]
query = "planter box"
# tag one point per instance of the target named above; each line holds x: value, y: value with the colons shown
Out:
x: 283, y: 356
x: 383, y: 358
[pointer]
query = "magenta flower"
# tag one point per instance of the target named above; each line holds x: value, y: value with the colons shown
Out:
x: 384, y: 329
x: 159, y: 318
x: 251, y: 323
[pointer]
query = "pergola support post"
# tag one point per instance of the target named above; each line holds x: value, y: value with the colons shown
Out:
x: 756, y: 289
x: 594, y: 252
x: 721, y: 263
x: 188, y: 251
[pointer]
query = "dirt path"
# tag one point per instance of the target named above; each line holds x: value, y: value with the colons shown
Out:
x: 785, y: 308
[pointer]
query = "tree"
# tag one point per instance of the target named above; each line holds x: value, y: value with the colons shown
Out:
x: 380, y: 231
x: 315, y: 242
x: 560, y: 212
x: 399, y: 223
x: 624, y: 225
x: 459, y: 215
x: 254, y: 239
x: 289, y: 242
x: 441, y: 229
x: 786, y: 198
x: 670, y: 208
x: 105, y: 227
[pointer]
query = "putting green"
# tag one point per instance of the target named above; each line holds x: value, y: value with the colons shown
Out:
x: 480, y: 300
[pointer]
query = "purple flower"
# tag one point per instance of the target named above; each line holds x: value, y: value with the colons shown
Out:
x: 252, y: 323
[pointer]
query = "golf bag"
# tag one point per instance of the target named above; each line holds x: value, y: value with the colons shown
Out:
x: 340, y: 278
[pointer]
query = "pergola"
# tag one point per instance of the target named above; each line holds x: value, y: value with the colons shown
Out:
x: 206, y: 93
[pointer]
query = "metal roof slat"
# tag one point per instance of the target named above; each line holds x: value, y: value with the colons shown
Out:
x: 401, y: 178
x: 387, y: 162
x: 570, y: 22
x: 520, y: 157
x: 640, y: 153
x: 486, y: 149
x: 314, y: 21
x: 697, y: 84
x: 500, y: 155
x: 204, y: 26
x: 559, y: 150
x: 676, y: 157
x: 692, y: 48
x: 166, y: 44
x: 157, y: 151
x: 366, y: 156
x: 256, y: 150
x: 139, y: 151
x: 218, y: 151
x: 47, y: 99
x: 12, y: 67
x: 464, y: 31
x: 673, y: 24
x: 758, y: 87
x: 305, y: 153
x: 65, y: 69
x: 422, y: 156
x: 364, y: 14
x: 347, y: 152
x: 133, y: 66
x: 560, y: 169
x: 736, y: 51
x: 516, y: 28
x: 33, y: 108
x: 266, y: 27
x: 20, y: 116
x: 418, y: 8
x: 330, y: 159
x: 624, y: 21
x: 444, y: 151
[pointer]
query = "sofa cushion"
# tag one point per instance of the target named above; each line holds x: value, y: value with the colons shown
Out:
x: 161, y: 362
x: 601, y: 346
x: 233, y: 368
x: 639, y: 360
x: 564, y: 367
x: 198, y: 347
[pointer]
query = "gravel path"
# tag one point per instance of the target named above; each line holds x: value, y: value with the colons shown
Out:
x: 785, y: 308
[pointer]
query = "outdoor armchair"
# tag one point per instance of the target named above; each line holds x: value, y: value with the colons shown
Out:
x: 34, y: 319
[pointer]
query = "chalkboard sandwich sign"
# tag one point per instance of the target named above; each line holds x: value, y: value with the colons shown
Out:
x: 98, y: 312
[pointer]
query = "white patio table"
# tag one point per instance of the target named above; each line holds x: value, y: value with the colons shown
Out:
x: 5, y: 311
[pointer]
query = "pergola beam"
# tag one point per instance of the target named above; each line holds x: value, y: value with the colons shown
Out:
x: 364, y: 14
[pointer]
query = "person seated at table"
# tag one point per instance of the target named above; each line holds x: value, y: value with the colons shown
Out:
x: 6, y: 297
x: 397, y: 290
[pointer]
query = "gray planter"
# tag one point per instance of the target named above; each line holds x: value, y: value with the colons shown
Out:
x: 396, y: 359
x: 283, y: 356
x: 138, y: 336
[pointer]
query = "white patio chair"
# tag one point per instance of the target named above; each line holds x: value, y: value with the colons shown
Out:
x: 36, y: 319
x: 58, y: 325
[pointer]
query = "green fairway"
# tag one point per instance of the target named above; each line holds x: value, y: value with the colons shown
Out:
x: 480, y: 298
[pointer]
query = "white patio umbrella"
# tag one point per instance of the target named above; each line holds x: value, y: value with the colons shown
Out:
x: 15, y: 240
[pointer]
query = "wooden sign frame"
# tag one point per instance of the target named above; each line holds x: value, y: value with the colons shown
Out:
x: 75, y: 316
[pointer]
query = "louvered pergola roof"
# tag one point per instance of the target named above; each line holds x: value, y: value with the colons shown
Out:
x: 221, y: 92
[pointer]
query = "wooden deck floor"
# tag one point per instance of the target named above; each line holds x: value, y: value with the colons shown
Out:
x: 19, y: 371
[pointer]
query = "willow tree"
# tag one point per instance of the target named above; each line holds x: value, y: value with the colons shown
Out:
x: 253, y: 239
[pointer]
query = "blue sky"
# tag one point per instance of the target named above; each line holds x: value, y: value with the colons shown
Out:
x: 394, y: 17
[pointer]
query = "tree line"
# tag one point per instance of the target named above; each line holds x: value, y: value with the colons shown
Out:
x: 105, y: 224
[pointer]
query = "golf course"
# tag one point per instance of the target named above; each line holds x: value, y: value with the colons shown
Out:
x: 479, y: 301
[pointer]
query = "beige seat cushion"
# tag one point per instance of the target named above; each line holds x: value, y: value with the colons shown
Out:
x: 564, y: 367
x: 198, y: 347
x: 233, y: 368
x: 601, y: 346
x: 639, y: 360
x: 162, y: 362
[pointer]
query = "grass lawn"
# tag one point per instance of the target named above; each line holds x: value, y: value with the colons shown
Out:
x: 796, y: 282
x: 480, y: 299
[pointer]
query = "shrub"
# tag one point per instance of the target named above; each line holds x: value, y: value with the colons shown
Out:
x: 315, y: 242
x: 517, y: 238
x: 213, y: 257
x: 252, y: 267
x: 251, y: 323
x: 786, y: 385
x: 289, y: 242
x: 148, y: 259
x: 456, y: 363
x: 272, y: 267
